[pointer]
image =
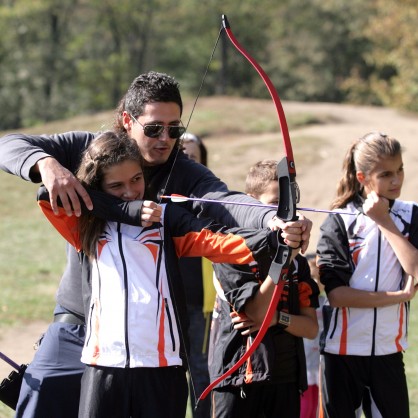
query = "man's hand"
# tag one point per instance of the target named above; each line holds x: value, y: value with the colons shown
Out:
x: 61, y: 183
x: 296, y: 234
x: 150, y: 213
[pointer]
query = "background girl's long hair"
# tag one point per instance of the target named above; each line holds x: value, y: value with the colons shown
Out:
x: 363, y: 155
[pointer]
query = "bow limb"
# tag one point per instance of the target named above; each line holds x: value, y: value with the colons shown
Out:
x: 262, y: 331
x: 273, y: 93
x: 288, y: 197
x: 286, y: 169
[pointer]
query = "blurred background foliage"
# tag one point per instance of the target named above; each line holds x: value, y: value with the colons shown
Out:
x: 60, y: 58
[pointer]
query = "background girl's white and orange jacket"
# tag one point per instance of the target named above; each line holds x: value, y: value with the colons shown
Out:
x: 352, y: 252
x: 132, y: 313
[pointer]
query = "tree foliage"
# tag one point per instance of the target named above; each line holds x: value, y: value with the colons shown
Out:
x: 393, y: 57
x: 63, y: 57
x: 317, y: 45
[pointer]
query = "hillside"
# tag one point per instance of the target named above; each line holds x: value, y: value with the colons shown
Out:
x: 319, y: 149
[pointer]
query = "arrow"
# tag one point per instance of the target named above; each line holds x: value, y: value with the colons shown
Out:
x: 178, y: 198
x: 9, y: 361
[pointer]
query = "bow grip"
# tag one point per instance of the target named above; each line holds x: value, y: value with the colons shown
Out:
x: 280, y: 263
x: 288, y: 192
x: 288, y: 197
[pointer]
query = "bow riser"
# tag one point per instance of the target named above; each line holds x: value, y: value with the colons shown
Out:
x: 288, y: 192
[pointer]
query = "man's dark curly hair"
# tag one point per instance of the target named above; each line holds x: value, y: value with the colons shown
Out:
x: 147, y: 88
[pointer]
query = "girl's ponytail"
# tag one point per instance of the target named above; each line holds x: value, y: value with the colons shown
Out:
x: 347, y: 186
x: 363, y: 155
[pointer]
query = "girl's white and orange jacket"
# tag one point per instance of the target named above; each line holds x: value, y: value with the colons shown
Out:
x: 133, y: 292
x: 353, y: 252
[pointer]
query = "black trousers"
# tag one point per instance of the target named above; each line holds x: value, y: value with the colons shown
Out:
x: 257, y: 401
x: 143, y: 392
x: 345, y: 379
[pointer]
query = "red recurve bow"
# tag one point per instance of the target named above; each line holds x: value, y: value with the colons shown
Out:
x: 288, y: 198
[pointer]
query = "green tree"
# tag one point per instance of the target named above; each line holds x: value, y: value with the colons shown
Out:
x: 394, y: 57
x: 315, y: 45
x: 59, y: 58
x: 112, y: 48
x: 36, y: 69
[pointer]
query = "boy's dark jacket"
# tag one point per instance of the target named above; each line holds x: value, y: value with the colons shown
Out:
x: 280, y: 357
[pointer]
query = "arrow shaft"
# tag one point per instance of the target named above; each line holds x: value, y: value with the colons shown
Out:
x: 224, y: 202
x: 9, y: 361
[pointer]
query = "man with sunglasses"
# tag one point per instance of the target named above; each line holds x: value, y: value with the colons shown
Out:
x: 150, y: 112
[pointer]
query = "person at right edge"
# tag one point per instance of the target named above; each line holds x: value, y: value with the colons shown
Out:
x: 368, y: 259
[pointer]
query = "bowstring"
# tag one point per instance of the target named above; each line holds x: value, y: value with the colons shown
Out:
x: 163, y: 192
x: 204, y: 76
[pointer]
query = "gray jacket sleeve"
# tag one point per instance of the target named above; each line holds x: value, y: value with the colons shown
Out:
x: 195, y: 180
x: 20, y: 152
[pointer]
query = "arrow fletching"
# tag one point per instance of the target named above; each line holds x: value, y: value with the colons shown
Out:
x: 176, y: 198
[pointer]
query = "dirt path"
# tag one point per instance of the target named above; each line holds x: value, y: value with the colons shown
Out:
x: 17, y: 343
x: 317, y: 182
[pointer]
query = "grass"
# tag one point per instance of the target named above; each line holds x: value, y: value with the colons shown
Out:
x: 410, y: 358
x: 32, y: 254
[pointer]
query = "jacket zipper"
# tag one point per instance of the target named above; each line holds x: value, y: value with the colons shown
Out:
x: 170, y: 323
x: 125, y: 283
x: 376, y: 287
x: 335, y: 323
x: 90, y: 325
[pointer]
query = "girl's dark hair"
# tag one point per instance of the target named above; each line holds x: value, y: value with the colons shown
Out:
x: 189, y: 137
x: 363, y: 155
x: 147, y: 88
x: 105, y: 151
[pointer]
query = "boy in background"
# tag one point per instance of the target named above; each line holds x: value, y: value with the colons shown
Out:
x: 270, y: 383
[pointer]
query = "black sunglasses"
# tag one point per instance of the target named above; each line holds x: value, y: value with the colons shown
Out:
x: 154, y: 130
